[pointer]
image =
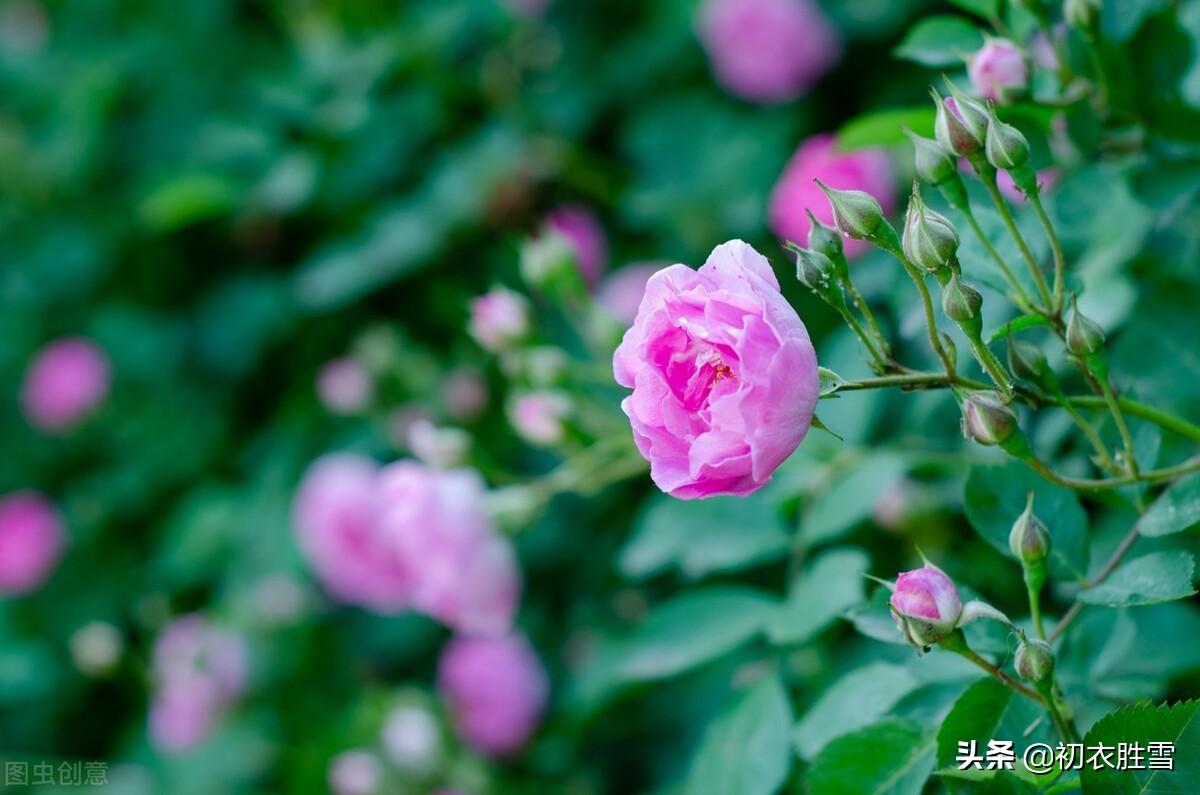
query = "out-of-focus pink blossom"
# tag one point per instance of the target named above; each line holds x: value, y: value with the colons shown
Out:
x: 438, y: 446
x: 464, y: 393
x: 586, y: 237
x: 998, y: 70
x: 538, y: 416
x: 337, y: 517
x: 199, y: 670
x: 1047, y: 178
x: 495, y: 689
x: 621, y: 292
x: 345, y: 386
x: 67, y: 379
x: 723, y: 374
x: 867, y: 170
x: 768, y: 51
x: 355, y: 772
x: 464, y: 573
x: 411, y: 737
x: 31, y: 541
x: 499, y: 319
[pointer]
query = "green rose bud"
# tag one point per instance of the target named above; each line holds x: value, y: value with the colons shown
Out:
x: 1029, y: 540
x: 960, y: 301
x: 986, y: 420
x: 930, y: 240
x: 817, y: 272
x: 1027, y: 361
x: 961, y: 124
x: 934, y: 164
x: 823, y: 239
x: 1006, y: 147
x: 856, y: 213
x: 1084, y: 336
x: 1034, y: 660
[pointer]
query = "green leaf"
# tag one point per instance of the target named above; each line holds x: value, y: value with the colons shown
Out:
x: 186, y: 200
x: 1176, y: 509
x: 859, y: 698
x: 892, y: 757
x: 1015, y: 325
x: 1150, y: 579
x: 851, y: 497
x: 940, y: 41
x: 746, y: 749
x: 825, y: 589
x: 988, y: 711
x: 886, y: 127
x: 1145, y: 723
x: 701, y: 537
x: 988, y: 9
x: 995, y: 496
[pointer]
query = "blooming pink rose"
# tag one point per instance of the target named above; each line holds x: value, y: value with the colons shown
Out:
x: 336, y: 513
x: 495, y: 689
x: 345, y: 386
x: 31, y: 541
x: 464, y: 573
x: 867, y: 170
x: 586, y: 237
x: 998, y: 70
x: 724, y: 376
x: 538, y: 416
x: 499, y: 319
x: 66, y: 380
x: 621, y: 293
x: 768, y: 51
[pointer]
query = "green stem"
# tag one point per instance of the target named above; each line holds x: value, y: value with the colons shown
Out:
x: 879, y: 363
x: 1126, y: 439
x: 930, y: 319
x: 869, y: 316
x: 1004, y: 678
x: 1066, y: 730
x: 1056, y: 247
x: 1109, y: 567
x: 994, y: 368
x: 989, y: 183
x: 1101, y: 484
x: 1034, y: 588
x: 1023, y: 301
x: 1106, y: 459
x: 1141, y: 410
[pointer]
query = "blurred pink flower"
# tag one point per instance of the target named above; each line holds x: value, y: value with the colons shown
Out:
x: 495, y: 689
x: 464, y: 393
x: 345, y: 386
x: 538, y: 416
x: 355, y: 772
x: 867, y: 170
x: 66, y: 380
x: 1047, y: 180
x: 621, y: 292
x: 723, y: 374
x: 336, y: 514
x: 199, y: 670
x: 31, y: 541
x: 438, y: 446
x: 768, y: 51
x: 998, y: 70
x: 464, y: 573
x: 499, y: 319
x: 586, y: 237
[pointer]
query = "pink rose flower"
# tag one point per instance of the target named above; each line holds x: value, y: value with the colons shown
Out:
x: 495, y: 690
x: 621, y: 293
x: 538, y: 416
x: 723, y: 374
x: 31, y: 541
x: 499, y: 319
x: 867, y: 170
x: 768, y: 51
x: 585, y: 236
x: 998, y: 70
x: 66, y: 380
x: 465, y: 573
x: 336, y: 515
x: 345, y: 386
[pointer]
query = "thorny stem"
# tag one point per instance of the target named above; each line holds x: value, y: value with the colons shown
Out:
x: 997, y: 199
x: 1101, y: 484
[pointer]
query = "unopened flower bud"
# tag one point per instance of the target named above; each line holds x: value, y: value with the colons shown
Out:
x: 499, y: 319
x: 824, y: 239
x: 816, y: 272
x: 1029, y: 539
x: 926, y: 605
x: 998, y: 71
x: 1027, y: 361
x: 930, y: 240
x: 934, y: 164
x: 548, y: 260
x: 961, y: 302
x: 1083, y: 15
x: 856, y: 213
x: 986, y: 420
x: 1034, y: 660
x: 1006, y: 147
x: 1084, y: 335
x: 961, y: 124
x: 540, y: 417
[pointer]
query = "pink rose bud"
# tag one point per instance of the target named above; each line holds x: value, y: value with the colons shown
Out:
x: 723, y: 374
x: 539, y: 416
x: 411, y: 737
x: 998, y: 71
x: 585, y: 237
x: 499, y: 319
x: 355, y: 772
x: 986, y: 419
x: 768, y: 51
x: 621, y: 293
x: 464, y: 393
x: 345, y: 386
x: 796, y: 194
x: 926, y: 605
x: 31, y: 541
x: 67, y: 379
x: 463, y: 572
x: 336, y: 515
x: 495, y: 690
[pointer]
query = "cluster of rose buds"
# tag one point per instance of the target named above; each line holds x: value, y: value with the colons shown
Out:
x: 200, y: 669
x: 407, y: 537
